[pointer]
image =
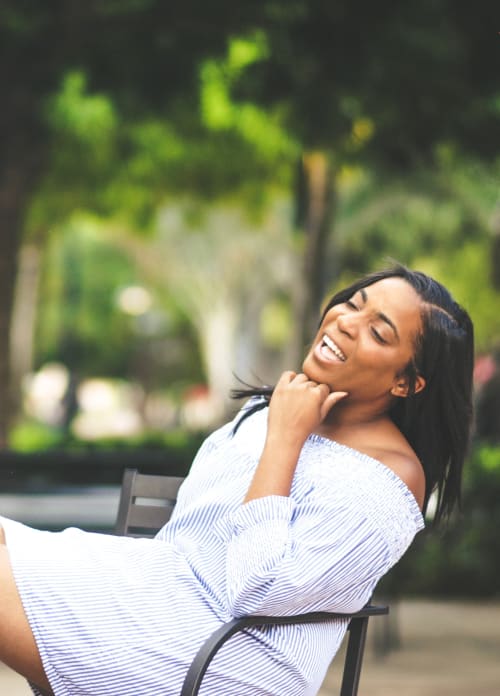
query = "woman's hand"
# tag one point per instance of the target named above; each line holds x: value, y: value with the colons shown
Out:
x: 297, y: 407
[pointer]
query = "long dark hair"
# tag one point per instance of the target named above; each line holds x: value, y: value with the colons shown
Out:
x: 436, y: 421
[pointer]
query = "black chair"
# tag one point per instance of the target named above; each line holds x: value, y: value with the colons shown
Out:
x: 146, y: 503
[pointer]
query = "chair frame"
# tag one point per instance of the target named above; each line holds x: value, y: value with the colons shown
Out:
x: 146, y: 503
x: 353, y: 662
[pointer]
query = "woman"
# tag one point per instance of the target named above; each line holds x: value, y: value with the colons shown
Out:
x: 301, y: 504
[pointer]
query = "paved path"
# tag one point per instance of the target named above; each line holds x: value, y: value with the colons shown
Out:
x: 447, y: 649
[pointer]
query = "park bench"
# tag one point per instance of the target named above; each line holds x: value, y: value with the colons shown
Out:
x: 146, y: 503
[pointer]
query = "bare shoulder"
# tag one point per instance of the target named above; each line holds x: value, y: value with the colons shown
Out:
x: 384, y: 442
x: 405, y: 464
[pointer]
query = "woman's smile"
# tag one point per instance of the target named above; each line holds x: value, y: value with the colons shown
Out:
x: 364, y: 344
x: 327, y: 350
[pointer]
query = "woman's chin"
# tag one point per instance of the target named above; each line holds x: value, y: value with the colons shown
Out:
x: 313, y: 370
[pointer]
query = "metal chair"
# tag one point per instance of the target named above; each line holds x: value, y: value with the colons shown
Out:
x: 146, y: 503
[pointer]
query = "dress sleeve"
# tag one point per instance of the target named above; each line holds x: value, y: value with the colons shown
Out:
x: 286, y: 557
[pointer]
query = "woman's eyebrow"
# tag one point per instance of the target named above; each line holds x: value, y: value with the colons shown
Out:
x: 380, y: 315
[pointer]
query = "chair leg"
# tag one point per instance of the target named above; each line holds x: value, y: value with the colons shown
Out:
x: 354, y: 656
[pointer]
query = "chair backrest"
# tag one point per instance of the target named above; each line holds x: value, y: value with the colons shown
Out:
x: 146, y: 503
x: 353, y: 660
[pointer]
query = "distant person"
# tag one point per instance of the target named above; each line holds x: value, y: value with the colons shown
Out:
x: 301, y: 504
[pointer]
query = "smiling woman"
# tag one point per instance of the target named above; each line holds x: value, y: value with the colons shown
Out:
x: 301, y: 504
x: 402, y: 349
x: 361, y: 347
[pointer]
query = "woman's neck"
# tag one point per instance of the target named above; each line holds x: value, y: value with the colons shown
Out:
x: 347, y: 417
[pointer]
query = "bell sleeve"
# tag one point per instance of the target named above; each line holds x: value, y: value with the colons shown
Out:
x: 325, y: 552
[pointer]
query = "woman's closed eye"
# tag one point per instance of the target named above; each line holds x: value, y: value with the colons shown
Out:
x: 378, y: 337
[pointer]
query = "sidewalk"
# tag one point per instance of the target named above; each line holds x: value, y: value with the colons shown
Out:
x: 447, y: 649
x: 11, y: 684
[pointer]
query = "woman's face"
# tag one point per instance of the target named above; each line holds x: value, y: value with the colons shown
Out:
x: 364, y: 344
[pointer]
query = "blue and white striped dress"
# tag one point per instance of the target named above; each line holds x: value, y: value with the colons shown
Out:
x: 124, y: 617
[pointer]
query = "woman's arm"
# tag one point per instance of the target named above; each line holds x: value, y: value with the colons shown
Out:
x: 297, y: 407
x: 323, y: 549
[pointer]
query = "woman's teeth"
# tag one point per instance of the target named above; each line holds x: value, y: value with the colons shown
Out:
x: 333, y: 347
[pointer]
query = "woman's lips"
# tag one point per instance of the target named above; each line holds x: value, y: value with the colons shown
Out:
x: 327, y: 350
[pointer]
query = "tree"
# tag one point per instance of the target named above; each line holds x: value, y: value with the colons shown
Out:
x: 131, y: 49
x: 166, y: 158
x: 221, y: 272
x: 382, y: 83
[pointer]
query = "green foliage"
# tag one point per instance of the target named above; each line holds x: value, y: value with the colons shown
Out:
x: 80, y: 323
x: 125, y: 168
x: 466, y: 271
x: 431, y: 210
x: 123, y: 162
x: 275, y: 323
x: 177, y: 448
x: 263, y: 129
x: 216, y: 104
x: 166, y: 160
x: 84, y: 129
x: 30, y: 436
x: 438, y: 219
x: 84, y: 118
x: 181, y: 445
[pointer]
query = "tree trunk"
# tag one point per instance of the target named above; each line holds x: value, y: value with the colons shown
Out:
x: 20, y: 164
x: 217, y: 330
x: 495, y: 251
x: 12, y: 201
x: 24, y: 315
x: 315, y: 201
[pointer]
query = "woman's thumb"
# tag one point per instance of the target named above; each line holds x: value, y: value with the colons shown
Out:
x: 330, y: 401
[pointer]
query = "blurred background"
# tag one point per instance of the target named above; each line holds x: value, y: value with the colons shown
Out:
x: 181, y: 186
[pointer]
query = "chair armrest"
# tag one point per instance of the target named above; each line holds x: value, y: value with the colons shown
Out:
x: 208, y: 649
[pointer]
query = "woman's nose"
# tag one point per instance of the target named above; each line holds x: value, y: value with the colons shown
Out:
x: 348, y: 323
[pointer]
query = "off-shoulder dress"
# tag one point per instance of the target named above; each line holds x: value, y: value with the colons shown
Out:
x: 119, y: 616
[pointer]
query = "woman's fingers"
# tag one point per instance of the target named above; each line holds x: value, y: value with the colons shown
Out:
x: 286, y: 378
x: 299, y: 405
x: 330, y: 401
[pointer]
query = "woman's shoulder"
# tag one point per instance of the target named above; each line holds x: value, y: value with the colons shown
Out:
x: 406, y: 465
x: 384, y: 442
x: 365, y: 482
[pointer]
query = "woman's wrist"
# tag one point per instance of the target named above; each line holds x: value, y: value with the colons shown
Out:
x: 276, y: 468
x: 288, y: 441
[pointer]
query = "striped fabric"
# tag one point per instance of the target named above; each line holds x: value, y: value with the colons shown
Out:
x: 124, y: 617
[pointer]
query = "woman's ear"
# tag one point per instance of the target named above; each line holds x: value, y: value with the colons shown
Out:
x: 401, y: 387
x: 419, y: 384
